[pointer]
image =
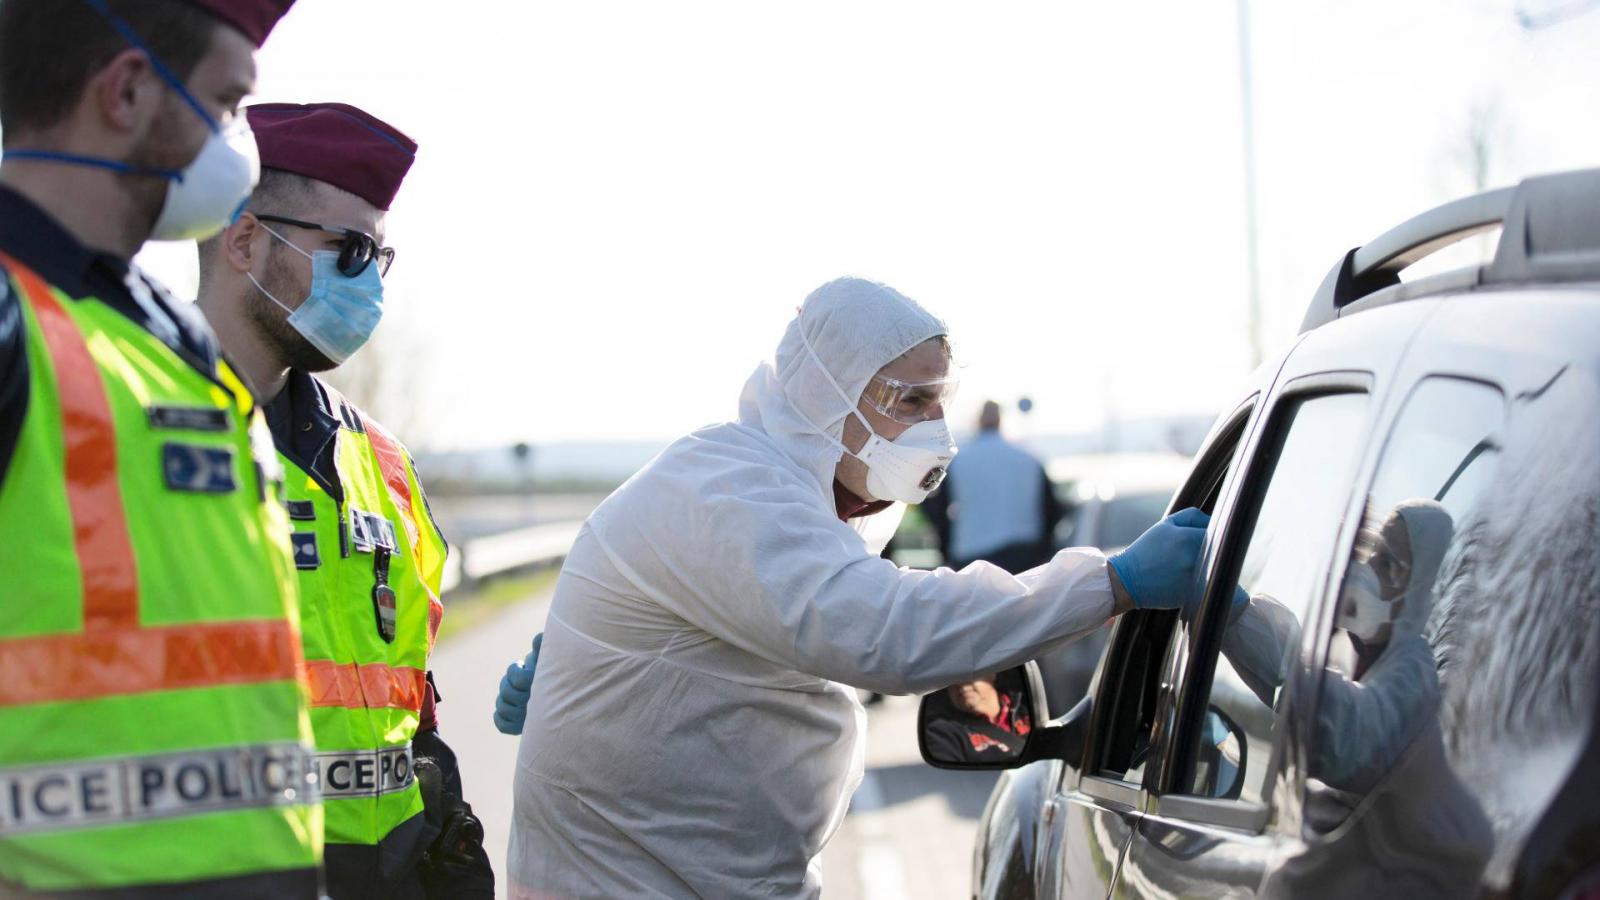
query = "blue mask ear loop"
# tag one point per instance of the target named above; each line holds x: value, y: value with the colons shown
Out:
x: 95, y: 161
x: 132, y: 37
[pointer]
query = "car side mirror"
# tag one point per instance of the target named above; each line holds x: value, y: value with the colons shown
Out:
x: 996, y: 722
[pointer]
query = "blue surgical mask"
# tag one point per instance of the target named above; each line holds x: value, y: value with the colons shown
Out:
x: 340, y: 313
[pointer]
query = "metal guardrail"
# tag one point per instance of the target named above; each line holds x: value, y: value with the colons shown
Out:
x: 495, y: 554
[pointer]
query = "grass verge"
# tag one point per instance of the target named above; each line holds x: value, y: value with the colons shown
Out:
x: 465, y: 610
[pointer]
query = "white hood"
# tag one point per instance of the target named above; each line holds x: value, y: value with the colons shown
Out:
x: 856, y: 328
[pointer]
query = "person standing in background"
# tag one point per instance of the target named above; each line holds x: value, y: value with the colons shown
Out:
x: 295, y: 286
x: 154, y: 737
x: 997, y: 504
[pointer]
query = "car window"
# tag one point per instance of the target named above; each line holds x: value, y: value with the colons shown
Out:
x: 1462, y: 657
x: 1131, y: 689
x: 1303, y: 477
x: 1126, y: 516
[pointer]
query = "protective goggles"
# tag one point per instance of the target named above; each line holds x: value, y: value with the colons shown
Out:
x: 910, y: 402
x: 358, y: 250
x: 1392, y: 571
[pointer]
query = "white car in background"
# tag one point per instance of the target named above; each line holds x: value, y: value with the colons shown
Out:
x: 1109, y: 499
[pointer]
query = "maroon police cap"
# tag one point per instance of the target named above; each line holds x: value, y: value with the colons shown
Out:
x: 336, y: 143
x: 253, y: 18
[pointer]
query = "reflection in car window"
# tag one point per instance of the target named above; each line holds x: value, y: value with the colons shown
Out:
x: 1297, y: 519
x: 1461, y: 663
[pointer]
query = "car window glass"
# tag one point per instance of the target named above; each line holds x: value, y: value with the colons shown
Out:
x: 1134, y: 675
x: 1126, y: 516
x: 1462, y: 659
x: 1315, y: 446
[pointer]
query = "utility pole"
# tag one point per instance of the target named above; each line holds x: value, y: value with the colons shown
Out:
x: 1247, y: 120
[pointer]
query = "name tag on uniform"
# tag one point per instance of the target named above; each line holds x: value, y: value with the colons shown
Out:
x: 305, y: 550
x: 301, y: 510
x: 369, y: 532
x: 200, y: 470
x: 188, y: 418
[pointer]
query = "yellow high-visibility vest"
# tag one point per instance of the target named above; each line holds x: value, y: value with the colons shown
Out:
x: 154, y: 725
x: 370, y: 563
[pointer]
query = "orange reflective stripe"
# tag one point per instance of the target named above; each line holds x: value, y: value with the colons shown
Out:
x: 99, y: 528
x: 365, y: 686
x: 435, y: 618
x: 57, y: 667
x: 392, y: 463
x: 113, y: 656
x: 396, y: 474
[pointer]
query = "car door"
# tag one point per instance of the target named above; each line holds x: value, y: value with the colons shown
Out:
x: 1090, y: 816
x: 1457, y: 667
x: 1215, y: 811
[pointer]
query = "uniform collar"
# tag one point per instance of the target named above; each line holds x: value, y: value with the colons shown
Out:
x: 43, y: 244
x: 305, y: 425
x: 46, y: 246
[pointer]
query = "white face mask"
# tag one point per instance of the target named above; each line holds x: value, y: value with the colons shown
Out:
x: 906, y: 469
x: 1362, y: 610
x: 909, y: 467
x: 206, y: 195
x: 213, y: 187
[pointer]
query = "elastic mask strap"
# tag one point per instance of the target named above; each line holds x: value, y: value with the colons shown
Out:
x: 854, y: 405
x: 121, y: 168
x: 132, y: 37
x: 252, y: 277
x: 291, y: 244
x: 268, y: 293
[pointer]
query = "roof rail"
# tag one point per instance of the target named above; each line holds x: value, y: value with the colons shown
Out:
x: 1550, y: 232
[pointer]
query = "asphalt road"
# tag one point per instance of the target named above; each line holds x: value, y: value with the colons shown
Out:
x: 908, y: 835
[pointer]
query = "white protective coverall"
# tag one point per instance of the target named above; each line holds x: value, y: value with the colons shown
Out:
x: 690, y: 731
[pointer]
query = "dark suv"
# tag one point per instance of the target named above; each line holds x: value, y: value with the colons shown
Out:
x: 1389, y: 686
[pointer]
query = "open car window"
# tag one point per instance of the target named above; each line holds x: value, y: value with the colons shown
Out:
x: 1130, y: 688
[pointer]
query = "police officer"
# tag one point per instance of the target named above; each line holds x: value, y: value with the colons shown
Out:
x: 154, y: 735
x: 295, y: 286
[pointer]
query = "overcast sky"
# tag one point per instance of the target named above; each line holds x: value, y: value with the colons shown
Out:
x: 617, y: 204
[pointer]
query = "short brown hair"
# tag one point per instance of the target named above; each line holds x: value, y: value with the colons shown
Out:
x: 49, y: 49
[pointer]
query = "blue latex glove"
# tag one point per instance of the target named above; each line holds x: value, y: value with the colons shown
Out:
x: 1241, y: 599
x: 1159, y: 569
x: 511, y: 707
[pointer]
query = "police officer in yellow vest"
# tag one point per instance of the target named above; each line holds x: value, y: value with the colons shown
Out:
x: 295, y: 286
x: 154, y: 730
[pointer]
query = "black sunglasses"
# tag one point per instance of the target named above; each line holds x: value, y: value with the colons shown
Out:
x: 355, y: 254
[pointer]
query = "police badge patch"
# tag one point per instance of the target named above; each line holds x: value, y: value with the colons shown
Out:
x: 305, y: 550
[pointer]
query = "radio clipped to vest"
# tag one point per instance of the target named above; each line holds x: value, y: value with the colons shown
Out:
x: 384, y: 604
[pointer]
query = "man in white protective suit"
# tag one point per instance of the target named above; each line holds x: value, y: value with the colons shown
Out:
x: 696, y: 730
